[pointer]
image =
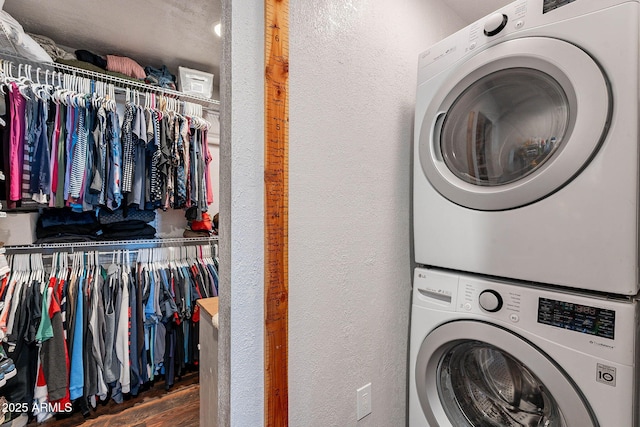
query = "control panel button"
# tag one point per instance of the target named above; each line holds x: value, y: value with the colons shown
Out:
x: 514, y: 317
x: 490, y: 301
x: 467, y: 306
x: 495, y: 24
x: 519, y: 24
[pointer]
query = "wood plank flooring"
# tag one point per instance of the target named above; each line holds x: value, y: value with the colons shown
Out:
x: 152, y: 408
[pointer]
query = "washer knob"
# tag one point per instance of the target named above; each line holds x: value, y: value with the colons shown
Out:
x: 495, y: 24
x: 490, y: 301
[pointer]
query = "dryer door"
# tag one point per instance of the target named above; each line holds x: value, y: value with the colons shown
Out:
x: 514, y: 123
x: 475, y: 374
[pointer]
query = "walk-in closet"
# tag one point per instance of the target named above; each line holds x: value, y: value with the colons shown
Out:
x: 109, y: 192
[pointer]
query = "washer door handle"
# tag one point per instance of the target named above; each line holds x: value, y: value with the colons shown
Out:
x: 436, y: 132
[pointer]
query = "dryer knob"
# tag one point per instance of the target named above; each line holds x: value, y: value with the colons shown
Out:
x: 490, y: 301
x: 495, y: 24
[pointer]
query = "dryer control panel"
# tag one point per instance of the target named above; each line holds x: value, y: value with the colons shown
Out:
x: 521, y: 18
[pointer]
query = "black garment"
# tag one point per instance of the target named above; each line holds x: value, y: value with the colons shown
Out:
x: 121, y: 232
x: 4, y: 153
x: 92, y: 58
x: 19, y: 389
x: 64, y: 222
x: 33, y: 311
x: 139, y: 321
x: 169, y: 359
x: 53, y: 359
x: 134, y: 362
x: 90, y: 363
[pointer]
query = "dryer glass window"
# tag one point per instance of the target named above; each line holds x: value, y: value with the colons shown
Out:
x: 481, y: 385
x: 504, y: 127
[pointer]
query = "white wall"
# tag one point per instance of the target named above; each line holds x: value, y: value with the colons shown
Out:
x: 352, y: 83
x: 353, y: 68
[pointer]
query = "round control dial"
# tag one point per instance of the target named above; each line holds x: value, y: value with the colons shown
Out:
x: 490, y: 301
x: 495, y: 24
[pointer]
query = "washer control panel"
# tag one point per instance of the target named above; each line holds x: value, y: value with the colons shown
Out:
x: 495, y: 301
x: 600, y: 326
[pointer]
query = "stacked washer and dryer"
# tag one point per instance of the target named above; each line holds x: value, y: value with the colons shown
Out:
x: 526, y: 203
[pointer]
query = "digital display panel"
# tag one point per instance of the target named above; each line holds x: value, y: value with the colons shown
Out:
x: 549, y: 5
x: 575, y: 317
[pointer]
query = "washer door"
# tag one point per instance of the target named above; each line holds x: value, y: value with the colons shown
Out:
x: 514, y: 123
x: 474, y: 374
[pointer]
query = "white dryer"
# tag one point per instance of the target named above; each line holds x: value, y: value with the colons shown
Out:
x: 526, y: 160
x: 497, y: 354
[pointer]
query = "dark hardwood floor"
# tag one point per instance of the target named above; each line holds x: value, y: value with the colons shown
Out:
x: 152, y: 408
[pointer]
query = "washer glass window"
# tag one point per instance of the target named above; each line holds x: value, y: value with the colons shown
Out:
x: 504, y: 126
x: 482, y: 385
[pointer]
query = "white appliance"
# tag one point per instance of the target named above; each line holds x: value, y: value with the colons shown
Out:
x: 526, y: 146
x: 498, y: 354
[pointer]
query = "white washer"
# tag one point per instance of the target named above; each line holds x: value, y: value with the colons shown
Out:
x: 496, y: 354
x: 526, y: 146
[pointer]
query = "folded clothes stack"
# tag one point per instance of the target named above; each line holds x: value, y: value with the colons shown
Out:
x: 64, y: 225
x: 130, y: 224
x: 160, y: 77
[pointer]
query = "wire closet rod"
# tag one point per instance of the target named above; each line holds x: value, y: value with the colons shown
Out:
x: 119, y: 82
x: 116, y: 245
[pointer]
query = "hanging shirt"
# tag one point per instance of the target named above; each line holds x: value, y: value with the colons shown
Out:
x: 128, y: 149
x: 79, y: 164
x: 122, y: 336
x: 60, y: 174
x: 139, y: 139
x: 110, y: 293
x: 114, y: 192
x: 207, y: 170
x: 16, y: 147
x: 40, y: 184
x: 153, y: 146
x: 76, y: 388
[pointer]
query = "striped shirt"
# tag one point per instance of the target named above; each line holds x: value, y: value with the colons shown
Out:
x: 128, y: 149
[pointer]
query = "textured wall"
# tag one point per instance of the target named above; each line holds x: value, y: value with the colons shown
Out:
x: 353, y: 67
x: 241, y: 165
x: 352, y: 80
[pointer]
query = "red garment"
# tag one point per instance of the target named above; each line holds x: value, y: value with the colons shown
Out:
x: 3, y: 286
x: 54, y: 308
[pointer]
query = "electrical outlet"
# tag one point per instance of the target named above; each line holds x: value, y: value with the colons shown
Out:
x: 364, y: 401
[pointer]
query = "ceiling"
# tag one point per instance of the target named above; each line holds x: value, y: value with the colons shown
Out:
x: 155, y: 32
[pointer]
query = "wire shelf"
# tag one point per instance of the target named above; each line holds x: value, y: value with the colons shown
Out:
x: 121, y: 83
x: 110, y: 245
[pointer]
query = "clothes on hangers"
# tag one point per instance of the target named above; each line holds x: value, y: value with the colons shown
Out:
x: 85, y: 330
x: 64, y: 148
